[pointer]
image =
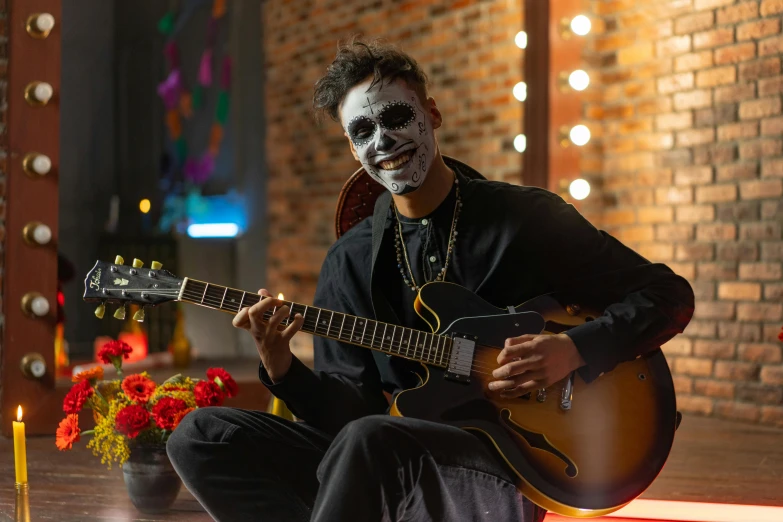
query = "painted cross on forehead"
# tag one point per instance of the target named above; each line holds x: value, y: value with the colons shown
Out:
x: 391, y: 133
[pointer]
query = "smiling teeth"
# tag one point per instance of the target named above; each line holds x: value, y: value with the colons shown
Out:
x: 396, y: 162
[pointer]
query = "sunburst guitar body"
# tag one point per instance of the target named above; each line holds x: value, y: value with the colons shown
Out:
x: 581, y: 451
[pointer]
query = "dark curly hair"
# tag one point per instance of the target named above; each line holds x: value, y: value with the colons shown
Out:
x: 356, y: 61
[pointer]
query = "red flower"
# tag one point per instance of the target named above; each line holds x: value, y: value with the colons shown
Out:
x: 167, y: 412
x: 114, y: 350
x: 207, y: 393
x: 68, y: 432
x: 224, y: 380
x: 77, y: 396
x: 138, y: 388
x: 132, y: 420
x: 780, y: 335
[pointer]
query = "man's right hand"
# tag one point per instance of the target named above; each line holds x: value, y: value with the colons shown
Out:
x: 272, y: 342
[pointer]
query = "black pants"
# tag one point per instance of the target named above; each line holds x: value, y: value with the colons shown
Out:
x: 248, y: 465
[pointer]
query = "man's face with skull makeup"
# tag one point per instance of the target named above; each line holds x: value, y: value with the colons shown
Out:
x: 391, y: 133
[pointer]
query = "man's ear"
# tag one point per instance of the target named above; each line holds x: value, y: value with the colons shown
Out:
x: 353, y: 149
x: 437, y: 117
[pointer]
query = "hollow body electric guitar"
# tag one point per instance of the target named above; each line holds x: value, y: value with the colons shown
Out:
x: 578, y: 449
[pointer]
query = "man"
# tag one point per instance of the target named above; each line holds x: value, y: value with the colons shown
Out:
x: 349, y: 461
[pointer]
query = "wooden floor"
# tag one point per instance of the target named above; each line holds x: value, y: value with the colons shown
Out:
x: 712, y: 461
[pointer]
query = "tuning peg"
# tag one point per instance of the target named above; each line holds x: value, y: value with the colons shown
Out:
x: 119, y: 260
x: 139, y: 315
x: 138, y: 263
x: 156, y: 265
x: 120, y: 313
x: 100, y: 311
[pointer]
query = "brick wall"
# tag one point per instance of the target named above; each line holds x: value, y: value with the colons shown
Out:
x: 689, y: 114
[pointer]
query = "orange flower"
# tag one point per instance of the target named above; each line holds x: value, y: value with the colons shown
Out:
x: 181, y: 415
x: 138, y: 388
x: 92, y: 374
x: 68, y: 432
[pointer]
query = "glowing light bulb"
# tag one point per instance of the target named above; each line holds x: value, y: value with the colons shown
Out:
x: 145, y: 205
x: 578, y: 80
x: 580, y: 25
x: 520, y: 91
x: 579, y: 135
x: 281, y: 296
x: 579, y: 189
x: 521, y: 39
x: 520, y: 143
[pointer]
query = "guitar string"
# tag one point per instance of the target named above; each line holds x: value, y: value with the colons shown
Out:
x: 419, y: 350
x: 213, y: 301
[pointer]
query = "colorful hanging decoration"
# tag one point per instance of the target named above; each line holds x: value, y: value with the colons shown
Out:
x: 183, y: 100
x: 181, y: 103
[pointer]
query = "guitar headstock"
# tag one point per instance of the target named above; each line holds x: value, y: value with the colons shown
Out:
x: 130, y: 284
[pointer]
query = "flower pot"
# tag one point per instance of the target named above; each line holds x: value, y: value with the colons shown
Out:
x: 152, y: 483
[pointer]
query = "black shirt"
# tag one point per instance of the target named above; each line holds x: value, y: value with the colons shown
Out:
x: 514, y: 243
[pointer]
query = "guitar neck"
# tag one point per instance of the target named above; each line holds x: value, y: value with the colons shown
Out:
x: 392, y: 339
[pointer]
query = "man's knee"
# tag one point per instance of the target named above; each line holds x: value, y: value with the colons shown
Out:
x: 201, y: 425
x: 374, y: 431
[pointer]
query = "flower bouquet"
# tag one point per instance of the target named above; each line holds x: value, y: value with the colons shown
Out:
x: 134, y: 412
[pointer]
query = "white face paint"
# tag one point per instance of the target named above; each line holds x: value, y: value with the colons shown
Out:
x: 391, y: 132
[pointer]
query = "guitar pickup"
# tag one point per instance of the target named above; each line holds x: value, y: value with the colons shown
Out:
x: 463, y: 347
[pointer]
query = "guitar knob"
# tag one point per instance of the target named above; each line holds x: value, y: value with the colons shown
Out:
x: 156, y: 265
x: 38, y: 94
x: 120, y: 313
x: 35, y: 305
x: 119, y: 260
x: 138, y: 263
x: 100, y: 311
x: 39, y: 25
x: 35, y: 233
x: 33, y: 366
x: 36, y: 165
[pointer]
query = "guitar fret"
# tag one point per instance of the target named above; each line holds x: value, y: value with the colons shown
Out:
x: 408, y: 346
x: 205, y: 293
x: 224, y: 297
x: 329, y: 328
x: 383, y: 337
x: 391, y: 343
x: 241, y: 301
x: 374, y: 331
x: 353, y: 328
x: 317, y: 319
x: 364, y: 330
x: 340, y: 333
x: 290, y: 311
x: 442, y: 351
x: 430, y: 353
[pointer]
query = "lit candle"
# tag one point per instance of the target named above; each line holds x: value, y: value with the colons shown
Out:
x: 20, y: 449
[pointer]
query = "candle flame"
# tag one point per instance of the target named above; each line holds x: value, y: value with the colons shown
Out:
x: 19, y: 414
x: 280, y: 296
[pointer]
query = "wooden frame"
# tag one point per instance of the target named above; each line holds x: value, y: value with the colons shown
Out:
x: 30, y: 268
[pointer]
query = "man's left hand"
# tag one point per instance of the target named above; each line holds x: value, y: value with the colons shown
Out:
x: 532, y: 362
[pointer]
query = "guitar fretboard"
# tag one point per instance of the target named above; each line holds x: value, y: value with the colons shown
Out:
x: 376, y: 335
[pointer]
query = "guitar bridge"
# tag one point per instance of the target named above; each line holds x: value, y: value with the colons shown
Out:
x: 461, y: 358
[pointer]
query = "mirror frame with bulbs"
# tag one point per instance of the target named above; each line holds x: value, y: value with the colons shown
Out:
x: 30, y: 270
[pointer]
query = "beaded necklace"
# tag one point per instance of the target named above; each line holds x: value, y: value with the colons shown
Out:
x: 399, y: 245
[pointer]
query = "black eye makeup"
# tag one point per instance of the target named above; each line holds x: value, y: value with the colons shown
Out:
x: 360, y: 129
x: 397, y: 115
